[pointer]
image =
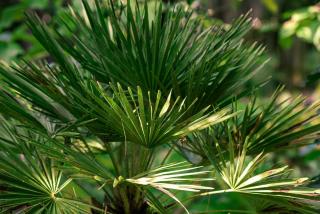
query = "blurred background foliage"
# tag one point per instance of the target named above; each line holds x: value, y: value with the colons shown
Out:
x: 289, y: 29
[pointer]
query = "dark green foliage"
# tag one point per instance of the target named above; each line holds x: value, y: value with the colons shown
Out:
x: 132, y: 81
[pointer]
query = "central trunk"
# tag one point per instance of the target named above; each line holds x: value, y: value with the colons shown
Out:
x: 129, y: 200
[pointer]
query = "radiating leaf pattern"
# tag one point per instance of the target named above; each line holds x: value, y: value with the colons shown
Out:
x: 130, y: 87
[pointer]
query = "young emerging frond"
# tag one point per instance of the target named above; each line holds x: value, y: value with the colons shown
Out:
x: 169, y: 176
x: 174, y: 176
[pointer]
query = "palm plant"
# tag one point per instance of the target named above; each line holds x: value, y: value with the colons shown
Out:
x: 130, y: 87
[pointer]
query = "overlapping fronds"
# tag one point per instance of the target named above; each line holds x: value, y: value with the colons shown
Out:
x: 135, y: 117
x: 155, y: 50
x: 150, y: 123
x: 134, y: 79
x: 279, y: 124
x: 269, y: 127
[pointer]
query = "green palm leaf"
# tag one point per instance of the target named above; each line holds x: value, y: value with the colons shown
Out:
x: 125, y: 82
x: 32, y: 184
x: 135, y: 48
x: 146, y: 121
x: 172, y: 177
x: 240, y: 176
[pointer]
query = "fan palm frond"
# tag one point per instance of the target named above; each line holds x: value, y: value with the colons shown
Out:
x: 131, y: 81
x: 156, y: 52
x: 32, y: 183
x: 269, y: 127
x: 241, y: 176
x: 146, y: 121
